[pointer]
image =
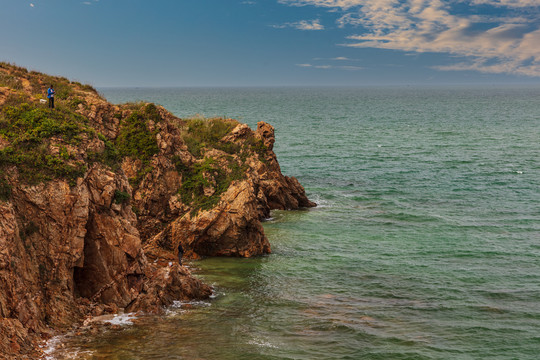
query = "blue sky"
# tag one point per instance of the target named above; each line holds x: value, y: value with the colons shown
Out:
x: 275, y: 42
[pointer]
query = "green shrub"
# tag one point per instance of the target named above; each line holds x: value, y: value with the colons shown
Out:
x: 15, y: 99
x: 29, y: 129
x: 74, y: 102
x: 5, y: 190
x: 10, y: 81
x: 29, y: 123
x: 120, y: 197
x: 196, y: 178
x: 135, y: 140
x: 199, y: 134
x: 151, y: 113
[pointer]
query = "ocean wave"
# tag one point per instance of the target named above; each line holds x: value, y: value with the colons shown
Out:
x: 52, y: 350
x: 179, y: 306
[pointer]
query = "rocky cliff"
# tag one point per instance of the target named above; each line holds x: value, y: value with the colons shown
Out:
x: 95, y: 199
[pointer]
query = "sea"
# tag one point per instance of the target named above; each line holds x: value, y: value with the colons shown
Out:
x: 425, y: 243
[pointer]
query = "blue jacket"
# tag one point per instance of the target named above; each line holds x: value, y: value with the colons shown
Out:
x: 50, y: 93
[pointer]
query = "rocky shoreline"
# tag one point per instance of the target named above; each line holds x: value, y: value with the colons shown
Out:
x: 96, y: 198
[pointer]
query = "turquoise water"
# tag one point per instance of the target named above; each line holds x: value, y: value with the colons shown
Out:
x: 425, y: 243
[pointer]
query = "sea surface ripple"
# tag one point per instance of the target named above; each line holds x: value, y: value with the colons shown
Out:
x: 425, y: 243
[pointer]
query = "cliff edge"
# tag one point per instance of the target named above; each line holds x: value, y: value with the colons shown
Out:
x: 96, y: 198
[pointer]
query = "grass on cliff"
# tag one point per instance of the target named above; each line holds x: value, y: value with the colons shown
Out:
x: 36, y: 139
x: 211, y: 174
x: 15, y: 77
x: 199, y: 134
x: 207, y: 174
x: 137, y: 141
x: 32, y: 131
x: 5, y: 188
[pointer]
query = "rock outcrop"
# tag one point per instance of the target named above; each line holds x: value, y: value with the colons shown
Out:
x: 233, y: 227
x: 96, y: 198
x: 61, y: 245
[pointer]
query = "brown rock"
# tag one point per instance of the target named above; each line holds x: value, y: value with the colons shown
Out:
x: 70, y: 251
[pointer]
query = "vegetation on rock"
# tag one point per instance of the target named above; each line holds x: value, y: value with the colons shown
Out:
x: 206, y: 133
x: 205, y: 182
x: 42, y: 143
x: 37, y: 141
x: 5, y: 189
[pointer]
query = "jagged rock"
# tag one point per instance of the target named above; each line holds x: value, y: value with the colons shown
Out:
x: 77, y: 245
x: 166, y: 285
x: 233, y: 227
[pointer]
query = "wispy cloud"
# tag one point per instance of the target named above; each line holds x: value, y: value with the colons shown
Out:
x: 344, y: 4
x: 501, y: 42
x: 302, y: 25
x: 328, y: 66
x: 508, y: 3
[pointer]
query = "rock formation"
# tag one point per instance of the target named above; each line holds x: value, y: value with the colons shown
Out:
x: 90, y: 191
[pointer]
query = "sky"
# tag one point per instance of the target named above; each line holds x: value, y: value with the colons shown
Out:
x: 275, y: 42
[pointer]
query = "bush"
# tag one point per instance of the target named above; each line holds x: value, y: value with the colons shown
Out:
x: 5, y: 190
x: 151, y: 113
x: 135, y: 140
x: 10, y: 81
x: 198, y: 177
x: 29, y: 130
x: 200, y: 133
x: 120, y: 197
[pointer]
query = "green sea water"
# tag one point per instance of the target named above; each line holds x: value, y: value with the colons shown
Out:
x: 425, y: 243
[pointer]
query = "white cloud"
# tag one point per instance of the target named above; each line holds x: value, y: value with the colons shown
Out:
x: 344, y: 4
x: 496, y: 43
x: 32, y: 5
x: 306, y: 25
x: 508, y: 3
x: 302, y: 25
x: 327, y: 66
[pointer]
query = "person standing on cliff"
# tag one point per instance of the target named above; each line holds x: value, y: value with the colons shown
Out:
x: 50, y: 95
x: 180, y: 253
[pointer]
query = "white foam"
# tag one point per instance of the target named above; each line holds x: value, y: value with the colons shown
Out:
x: 117, y: 319
x: 177, y: 306
x: 121, y: 319
x: 50, y: 347
x: 262, y: 343
x: 321, y: 203
x: 52, y: 350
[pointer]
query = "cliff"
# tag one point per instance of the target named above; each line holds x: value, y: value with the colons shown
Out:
x: 95, y: 199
